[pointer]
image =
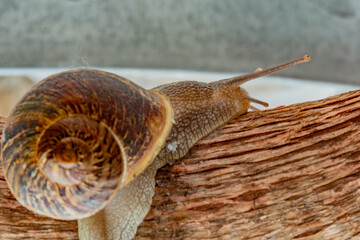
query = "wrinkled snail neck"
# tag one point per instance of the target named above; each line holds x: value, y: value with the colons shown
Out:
x: 238, y: 80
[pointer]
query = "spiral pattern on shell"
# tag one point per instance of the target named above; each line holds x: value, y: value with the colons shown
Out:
x: 77, y: 137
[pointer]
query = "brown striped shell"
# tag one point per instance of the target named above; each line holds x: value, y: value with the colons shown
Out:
x: 77, y: 137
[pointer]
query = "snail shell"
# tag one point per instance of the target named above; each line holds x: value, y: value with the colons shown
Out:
x: 73, y: 140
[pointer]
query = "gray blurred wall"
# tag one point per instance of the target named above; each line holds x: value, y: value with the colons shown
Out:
x: 210, y: 35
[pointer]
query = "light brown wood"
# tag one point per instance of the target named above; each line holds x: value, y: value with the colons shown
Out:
x: 286, y: 173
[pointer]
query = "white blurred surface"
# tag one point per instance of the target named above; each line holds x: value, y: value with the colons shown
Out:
x: 276, y: 91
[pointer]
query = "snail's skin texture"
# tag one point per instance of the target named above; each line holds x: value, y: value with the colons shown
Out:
x: 199, y: 108
x: 197, y: 113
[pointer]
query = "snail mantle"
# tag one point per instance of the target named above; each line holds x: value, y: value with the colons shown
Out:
x: 288, y: 172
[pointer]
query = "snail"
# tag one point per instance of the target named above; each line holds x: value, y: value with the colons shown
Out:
x: 86, y: 144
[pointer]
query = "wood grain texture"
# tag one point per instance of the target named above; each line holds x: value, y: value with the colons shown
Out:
x: 290, y: 172
x: 286, y: 173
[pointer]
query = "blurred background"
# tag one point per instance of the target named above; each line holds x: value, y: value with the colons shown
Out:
x: 156, y: 41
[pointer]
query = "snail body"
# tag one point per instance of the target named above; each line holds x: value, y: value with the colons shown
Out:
x: 86, y: 144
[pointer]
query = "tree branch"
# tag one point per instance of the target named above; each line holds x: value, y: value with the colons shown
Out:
x: 288, y: 172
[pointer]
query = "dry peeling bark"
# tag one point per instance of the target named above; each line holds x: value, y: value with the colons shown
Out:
x: 286, y: 173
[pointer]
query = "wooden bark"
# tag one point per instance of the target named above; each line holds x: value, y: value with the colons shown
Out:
x: 286, y: 173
